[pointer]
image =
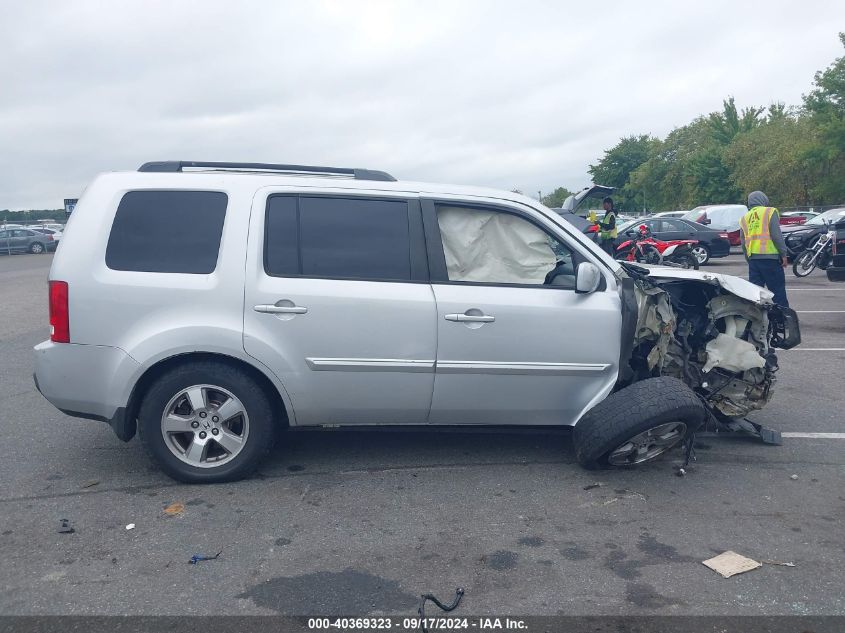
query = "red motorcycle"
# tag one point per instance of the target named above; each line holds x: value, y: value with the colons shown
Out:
x: 644, y: 248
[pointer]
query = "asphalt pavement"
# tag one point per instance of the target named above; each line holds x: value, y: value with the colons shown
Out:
x: 363, y: 521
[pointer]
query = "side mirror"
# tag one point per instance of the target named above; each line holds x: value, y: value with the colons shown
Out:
x: 707, y: 221
x: 587, y: 278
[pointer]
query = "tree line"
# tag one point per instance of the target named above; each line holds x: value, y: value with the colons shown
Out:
x: 796, y: 155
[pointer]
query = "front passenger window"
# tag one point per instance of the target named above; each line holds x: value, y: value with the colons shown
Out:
x: 490, y: 246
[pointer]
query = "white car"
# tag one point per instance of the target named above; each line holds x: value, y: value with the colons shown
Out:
x: 207, y: 306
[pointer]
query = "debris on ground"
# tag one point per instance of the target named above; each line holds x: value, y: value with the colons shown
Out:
x: 131, y: 526
x: 459, y: 593
x: 793, y: 477
x: 65, y: 527
x: 594, y: 486
x: 199, y: 557
x: 778, y: 563
x: 174, y: 509
x: 730, y: 564
x: 90, y: 483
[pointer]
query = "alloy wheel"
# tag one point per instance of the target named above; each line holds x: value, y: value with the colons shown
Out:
x: 648, y: 444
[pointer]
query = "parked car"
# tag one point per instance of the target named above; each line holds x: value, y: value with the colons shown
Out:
x: 57, y: 235
x: 25, y: 241
x: 796, y: 217
x: 711, y: 243
x: 722, y: 217
x: 669, y: 214
x: 800, y: 237
x: 836, y: 270
x: 575, y: 207
x: 207, y: 310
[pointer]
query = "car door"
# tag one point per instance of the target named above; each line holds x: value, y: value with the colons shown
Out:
x: 513, y: 349
x: 338, y: 305
x: 20, y: 239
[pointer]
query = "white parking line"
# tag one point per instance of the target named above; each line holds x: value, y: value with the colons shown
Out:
x: 820, y: 311
x: 815, y: 436
x: 815, y: 349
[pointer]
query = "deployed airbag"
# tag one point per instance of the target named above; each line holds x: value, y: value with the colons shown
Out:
x: 493, y: 247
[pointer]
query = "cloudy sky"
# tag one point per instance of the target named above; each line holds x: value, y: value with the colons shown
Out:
x: 506, y: 94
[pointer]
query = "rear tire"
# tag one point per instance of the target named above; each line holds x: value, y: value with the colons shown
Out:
x: 209, y: 452
x: 688, y: 260
x: 701, y: 254
x: 637, y: 424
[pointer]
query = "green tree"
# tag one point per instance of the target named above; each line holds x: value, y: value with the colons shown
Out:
x: 615, y: 168
x: 555, y: 199
x: 825, y: 105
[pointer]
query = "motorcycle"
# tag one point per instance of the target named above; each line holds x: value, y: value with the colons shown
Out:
x: 644, y: 248
x: 819, y: 254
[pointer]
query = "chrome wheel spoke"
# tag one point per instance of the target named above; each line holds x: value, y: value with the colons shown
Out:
x: 648, y: 444
x: 229, y: 441
x: 196, y: 397
x: 229, y: 409
x: 174, y: 423
x: 196, y: 451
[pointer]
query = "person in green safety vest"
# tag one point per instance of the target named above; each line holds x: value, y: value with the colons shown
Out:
x: 607, y: 227
x: 764, y: 246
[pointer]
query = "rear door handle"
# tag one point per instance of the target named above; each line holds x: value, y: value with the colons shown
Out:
x: 464, y: 318
x: 272, y: 309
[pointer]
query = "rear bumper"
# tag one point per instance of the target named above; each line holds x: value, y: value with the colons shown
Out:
x: 720, y: 248
x: 836, y: 273
x: 87, y: 381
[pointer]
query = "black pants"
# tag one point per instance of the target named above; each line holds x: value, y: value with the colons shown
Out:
x: 607, y: 246
x: 769, y: 274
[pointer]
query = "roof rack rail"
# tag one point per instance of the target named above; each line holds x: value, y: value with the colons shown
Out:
x: 180, y: 165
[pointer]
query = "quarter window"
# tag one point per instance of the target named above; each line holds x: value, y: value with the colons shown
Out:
x: 167, y: 232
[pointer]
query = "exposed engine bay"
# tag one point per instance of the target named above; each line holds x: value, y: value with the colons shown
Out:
x: 716, y: 333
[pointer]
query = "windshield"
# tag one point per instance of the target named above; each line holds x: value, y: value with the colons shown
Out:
x: 828, y: 216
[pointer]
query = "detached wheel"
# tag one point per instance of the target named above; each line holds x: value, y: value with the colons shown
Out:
x: 206, y: 423
x: 701, y: 254
x: 637, y: 424
x: 36, y: 248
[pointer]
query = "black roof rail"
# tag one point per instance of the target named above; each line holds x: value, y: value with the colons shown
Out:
x: 180, y: 165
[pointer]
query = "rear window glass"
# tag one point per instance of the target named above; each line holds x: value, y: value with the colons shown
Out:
x: 167, y: 232
x: 351, y: 238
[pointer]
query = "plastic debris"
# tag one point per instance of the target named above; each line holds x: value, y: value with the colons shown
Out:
x: 730, y: 563
x: 65, y: 527
x: 90, y: 483
x: 200, y: 557
x: 175, y: 508
x: 593, y: 486
x: 131, y: 526
x: 793, y: 477
x: 778, y: 563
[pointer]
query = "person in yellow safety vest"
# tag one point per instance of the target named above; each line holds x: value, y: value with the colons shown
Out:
x: 607, y: 227
x: 764, y: 247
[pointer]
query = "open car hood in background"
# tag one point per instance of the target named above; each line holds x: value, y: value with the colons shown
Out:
x: 593, y: 191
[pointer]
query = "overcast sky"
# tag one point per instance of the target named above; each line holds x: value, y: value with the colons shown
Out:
x: 505, y: 94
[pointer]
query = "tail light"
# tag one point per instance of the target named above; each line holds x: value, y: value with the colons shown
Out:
x: 49, y: 238
x: 59, y: 315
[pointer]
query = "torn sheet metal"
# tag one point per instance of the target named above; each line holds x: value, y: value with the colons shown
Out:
x: 734, y: 285
x: 491, y: 246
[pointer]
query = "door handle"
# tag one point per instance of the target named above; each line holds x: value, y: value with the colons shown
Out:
x: 465, y: 318
x: 273, y: 309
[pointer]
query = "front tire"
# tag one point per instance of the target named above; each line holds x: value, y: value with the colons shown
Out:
x: 804, y: 264
x: 36, y: 248
x: 637, y: 424
x: 206, y: 422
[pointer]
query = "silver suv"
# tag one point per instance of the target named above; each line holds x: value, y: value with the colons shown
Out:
x: 208, y: 306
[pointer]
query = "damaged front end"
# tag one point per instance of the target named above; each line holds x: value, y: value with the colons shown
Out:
x: 714, y: 332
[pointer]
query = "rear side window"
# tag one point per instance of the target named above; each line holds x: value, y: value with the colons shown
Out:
x: 167, y: 232
x: 345, y: 238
